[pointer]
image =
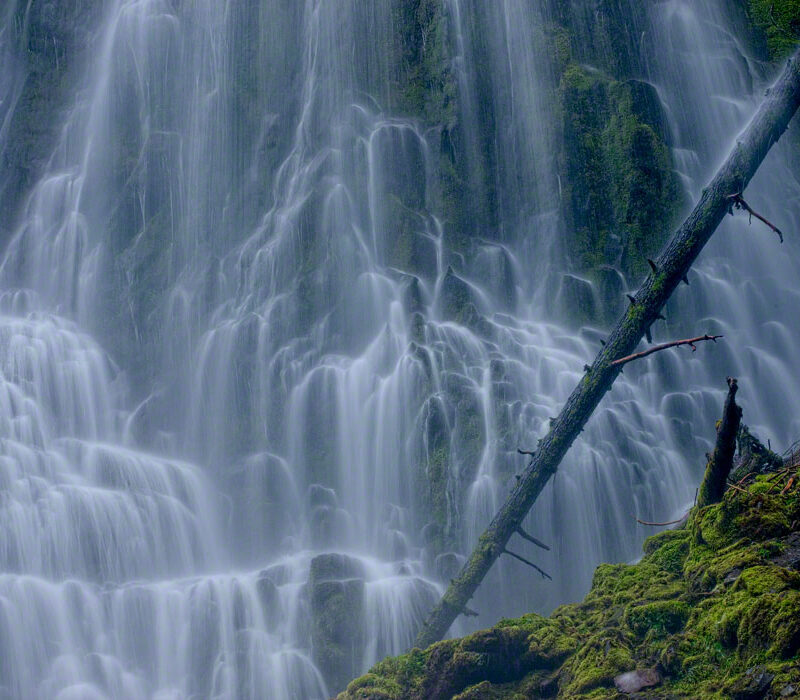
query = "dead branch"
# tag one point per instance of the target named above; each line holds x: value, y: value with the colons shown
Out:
x: 669, y: 522
x: 529, y: 563
x: 524, y: 535
x: 675, y: 343
x: 738, y: 203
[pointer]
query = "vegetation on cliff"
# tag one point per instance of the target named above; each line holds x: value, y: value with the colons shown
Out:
x: 778, y: 21
x: 711, y: 611
x: 620, y: 189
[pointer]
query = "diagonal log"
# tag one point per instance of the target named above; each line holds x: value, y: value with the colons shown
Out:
x: 672, y: 266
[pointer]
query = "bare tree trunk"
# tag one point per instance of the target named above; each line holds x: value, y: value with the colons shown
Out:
x: 766, y: 127
x: 721, y: 462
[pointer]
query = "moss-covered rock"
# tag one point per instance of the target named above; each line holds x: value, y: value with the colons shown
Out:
x: 621, y: 190
x: 779, y: 23
x: 712, y: 611
x: 336, y: 597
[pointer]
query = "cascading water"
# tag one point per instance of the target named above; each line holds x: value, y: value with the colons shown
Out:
x: 317, y: 390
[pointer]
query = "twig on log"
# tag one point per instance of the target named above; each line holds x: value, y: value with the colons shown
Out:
x: 525, y: 452
x: 721, y: 462
x: 524, y: 535
x: 780, y: 474
x: 675, y: 343
x: 764, y: 129
x: 738, y: 203
x: 466, y: 612
x: 529, y: 563
x: 670, y: 522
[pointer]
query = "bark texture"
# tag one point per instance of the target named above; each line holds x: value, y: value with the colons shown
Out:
x: 765, y: 128
x: 721, y: 462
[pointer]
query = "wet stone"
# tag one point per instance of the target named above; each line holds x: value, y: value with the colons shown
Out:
x: 269, y: 598
x: 634, y: 681
x: 576, y: 298
x: 731, y: 576
x: 335, y: 567
x: 790, y: 557
x: 753, y: 685
x: 448, y: 565
x: 319, y: 495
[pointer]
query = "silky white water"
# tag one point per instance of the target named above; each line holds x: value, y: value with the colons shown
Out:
x: 213, y: 369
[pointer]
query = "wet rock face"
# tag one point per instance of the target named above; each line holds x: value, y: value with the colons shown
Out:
x: 577, y: 298
x: 49, y: 38
x: 336, y: 599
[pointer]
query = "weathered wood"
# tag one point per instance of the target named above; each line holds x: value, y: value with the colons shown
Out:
x: 721, y: 462
x: 665, y: 346
x: 765, y: 128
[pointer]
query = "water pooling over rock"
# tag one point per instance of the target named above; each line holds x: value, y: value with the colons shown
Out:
x: 292, y: 285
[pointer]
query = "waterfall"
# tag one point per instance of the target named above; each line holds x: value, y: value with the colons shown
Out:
x: 262, y: 384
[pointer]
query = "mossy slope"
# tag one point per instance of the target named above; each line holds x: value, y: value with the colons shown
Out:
x: 778, y: 21
x: 711, y: 611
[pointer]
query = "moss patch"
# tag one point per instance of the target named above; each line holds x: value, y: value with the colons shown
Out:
x: 779, y: 23
x: 621, y: 189
x: 711, y: 609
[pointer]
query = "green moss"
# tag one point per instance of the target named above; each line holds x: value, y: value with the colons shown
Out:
x: 438, y: 478
x: 779, y: 23
x: 668, y: 549
x: 336, y: 597
x: 621, y: 189
x: 707, y: 605
x: 562, y: 44
x: 595, y: 665
x: 424, y: 85
x: 374, y: 686
x: 663, y: 616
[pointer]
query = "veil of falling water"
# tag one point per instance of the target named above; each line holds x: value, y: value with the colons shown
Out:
x: 219, y: 370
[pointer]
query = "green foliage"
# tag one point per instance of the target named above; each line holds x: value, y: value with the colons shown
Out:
x: 622, y: 192
x: 708, y: 606
x: 424, y: 86
x: 779, y: 22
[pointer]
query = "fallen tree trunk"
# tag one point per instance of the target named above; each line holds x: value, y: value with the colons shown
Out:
x: 766, y: 127
x: 721, y: 462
